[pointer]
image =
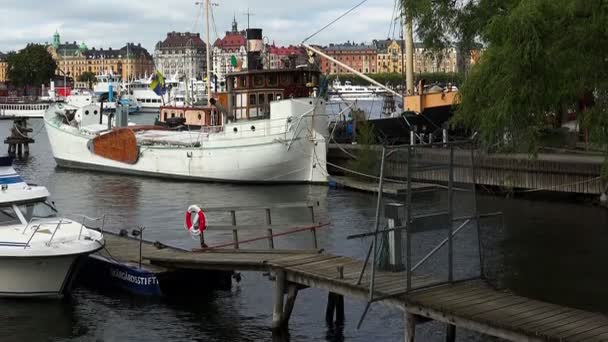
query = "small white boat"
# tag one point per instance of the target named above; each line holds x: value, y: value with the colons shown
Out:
x: 39, y: 252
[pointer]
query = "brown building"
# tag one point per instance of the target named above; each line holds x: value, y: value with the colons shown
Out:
x: 3, y: 67
x: 131, y: 61
x: 360, y: 57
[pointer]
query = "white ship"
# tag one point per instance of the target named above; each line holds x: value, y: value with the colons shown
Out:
x: 23, y: 107
x: 271, y: 130
x: 350, y: 92
x: 39, y: 252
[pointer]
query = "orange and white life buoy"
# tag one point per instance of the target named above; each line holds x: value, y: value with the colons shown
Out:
x: 198, y: 224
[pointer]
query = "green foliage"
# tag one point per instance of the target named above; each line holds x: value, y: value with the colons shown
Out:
x: 366, y: 160
x: 396, y: 79
x: 31, y: 66
x: 88, y: 77
x: 542, y: 57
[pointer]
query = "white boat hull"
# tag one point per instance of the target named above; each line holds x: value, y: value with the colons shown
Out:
x: 44, y: 276
x: 259, y: 155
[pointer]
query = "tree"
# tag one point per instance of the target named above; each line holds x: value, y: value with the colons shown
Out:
x: 31, y: 66
x: 88, y: 77
x: 542, y: 58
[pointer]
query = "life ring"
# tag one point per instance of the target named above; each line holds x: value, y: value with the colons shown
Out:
x: 199, y: 224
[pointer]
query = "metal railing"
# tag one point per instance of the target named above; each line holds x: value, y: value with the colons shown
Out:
x: 61, y: 221
x: 269, y: 228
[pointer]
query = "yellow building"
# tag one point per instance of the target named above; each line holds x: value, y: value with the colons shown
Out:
x: 3, y: 68
x: 131, y: 61
x: 391, y: 58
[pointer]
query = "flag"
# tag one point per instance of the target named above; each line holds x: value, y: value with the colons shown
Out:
x: 158, y: 83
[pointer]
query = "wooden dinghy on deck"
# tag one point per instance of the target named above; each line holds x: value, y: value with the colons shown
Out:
x: 120, y: 145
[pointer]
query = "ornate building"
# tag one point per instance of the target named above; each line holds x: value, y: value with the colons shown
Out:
x: 3, y: 67
x: 230, y: 52
x: 391, y: 58
x: 183, y: 54
x: 131, y: 61
x: 360, y: 57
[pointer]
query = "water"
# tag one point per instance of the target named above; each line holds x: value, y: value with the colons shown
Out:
x: 553, y: 251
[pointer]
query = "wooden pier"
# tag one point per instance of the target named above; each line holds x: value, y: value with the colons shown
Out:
x: 566, y: 173
x: 392, y: 189
x: 471, y: 305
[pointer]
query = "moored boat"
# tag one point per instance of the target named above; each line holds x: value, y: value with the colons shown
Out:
x: 39, y: 252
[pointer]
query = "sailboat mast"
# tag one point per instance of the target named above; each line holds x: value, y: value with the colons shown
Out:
x: 208, y: 55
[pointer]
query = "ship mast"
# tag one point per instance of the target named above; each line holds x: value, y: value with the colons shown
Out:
x: 208, y: 55
x: 409, y: 52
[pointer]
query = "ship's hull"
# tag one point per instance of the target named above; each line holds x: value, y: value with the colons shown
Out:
x: 296, y: 156
x: 41, y: 276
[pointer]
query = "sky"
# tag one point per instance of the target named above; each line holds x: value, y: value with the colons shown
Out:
x: 111, y: 23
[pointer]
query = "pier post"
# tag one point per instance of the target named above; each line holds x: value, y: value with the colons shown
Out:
x: 412, y: 137
x: 409, y: 327
x: 19, y: 149
x: 335, y: 308
x: 292, y: 294
x: 450, y: 333
x: 394, y: 213
x: 445, y: 137
x: 279, y: 291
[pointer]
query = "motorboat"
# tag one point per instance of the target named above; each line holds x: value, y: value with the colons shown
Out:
x: 40, y: 252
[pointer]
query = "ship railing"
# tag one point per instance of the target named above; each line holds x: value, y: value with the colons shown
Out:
x: 37, y: 226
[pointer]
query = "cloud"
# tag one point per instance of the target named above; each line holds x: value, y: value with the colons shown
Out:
x: 105, y: 23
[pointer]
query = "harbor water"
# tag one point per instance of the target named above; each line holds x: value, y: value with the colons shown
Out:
x: 546, y: 249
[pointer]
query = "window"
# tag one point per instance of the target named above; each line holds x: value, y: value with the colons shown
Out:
x: 258, y: 80
x: 252, y: 99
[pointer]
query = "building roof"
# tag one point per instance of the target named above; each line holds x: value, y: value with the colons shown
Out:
x: 133, y: 50
x: 383, y: 44
x: 181, y: 40
x: 286, y: 50
x: 232, y: 40
x: 348, y: 46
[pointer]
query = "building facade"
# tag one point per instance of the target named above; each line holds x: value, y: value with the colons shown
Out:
x: 391, y: 58
x: 181, y: 54
x: 360, y: 57
x: 230, y: 52
x: 3, y: 68
x: 130, y: 61
x: 284, y: 57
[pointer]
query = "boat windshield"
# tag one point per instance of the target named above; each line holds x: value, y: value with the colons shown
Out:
x: 29, y: 210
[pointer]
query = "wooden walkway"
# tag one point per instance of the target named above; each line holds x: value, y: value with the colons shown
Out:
x: 471, y: 305
x: 388, y: 188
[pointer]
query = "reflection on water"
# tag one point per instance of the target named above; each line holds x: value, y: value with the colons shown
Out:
x: 548, y: 250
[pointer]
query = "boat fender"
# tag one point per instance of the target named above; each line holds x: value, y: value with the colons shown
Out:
x: 197, y: 225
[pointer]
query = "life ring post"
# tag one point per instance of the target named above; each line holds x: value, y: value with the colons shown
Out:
x: 196, y: 223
